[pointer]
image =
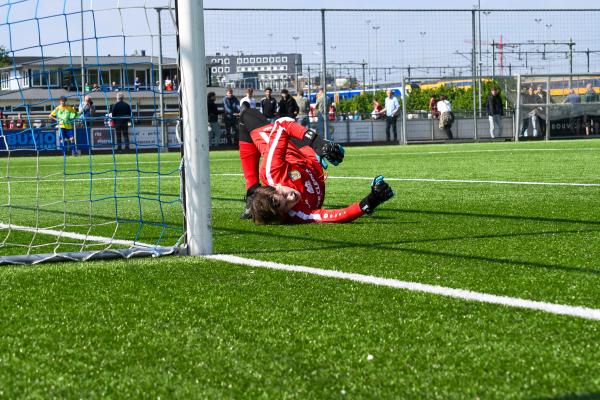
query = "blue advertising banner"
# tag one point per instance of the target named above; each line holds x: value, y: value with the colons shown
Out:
x: 38, y: 139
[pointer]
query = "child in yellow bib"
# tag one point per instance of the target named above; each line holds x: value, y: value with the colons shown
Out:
x: 64, y: 115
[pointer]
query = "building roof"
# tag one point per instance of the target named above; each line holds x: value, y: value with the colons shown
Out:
x: 92, y: 60
x: 34, y: 95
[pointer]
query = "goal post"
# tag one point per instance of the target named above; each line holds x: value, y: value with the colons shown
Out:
x: 113, y: 182
x: 190, y: 15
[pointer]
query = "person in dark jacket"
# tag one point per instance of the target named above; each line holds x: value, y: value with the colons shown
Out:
x: 231, y: 106
x: 287, y: 105
x: 121, y: 115
x: 495, y: 111
x: 268, y: 105
x: 214, y: 129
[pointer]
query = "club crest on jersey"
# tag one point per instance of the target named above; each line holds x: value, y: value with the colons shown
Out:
x: 294, y: 175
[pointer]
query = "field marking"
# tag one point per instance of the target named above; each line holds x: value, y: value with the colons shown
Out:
x: 365, y: 178
x: 73, y: 235
x: 552, y: 308
x: 362, y: 178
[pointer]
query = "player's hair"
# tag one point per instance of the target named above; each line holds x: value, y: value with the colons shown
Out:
x: 285, y: 91
x: 264, y: 207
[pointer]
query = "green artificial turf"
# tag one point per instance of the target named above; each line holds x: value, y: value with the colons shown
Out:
x: 193, y: 328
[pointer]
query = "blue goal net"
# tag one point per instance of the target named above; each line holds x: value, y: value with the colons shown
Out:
x: 90, y: 162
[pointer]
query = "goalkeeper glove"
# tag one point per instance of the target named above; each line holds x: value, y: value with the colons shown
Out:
x: 332, y: 152
x: 380, y: 193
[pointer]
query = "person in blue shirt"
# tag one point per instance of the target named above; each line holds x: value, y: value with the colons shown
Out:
x: 231, y: 105
x: 391, y: 110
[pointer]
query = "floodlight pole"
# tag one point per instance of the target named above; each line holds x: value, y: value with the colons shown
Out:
x: 190, y: 16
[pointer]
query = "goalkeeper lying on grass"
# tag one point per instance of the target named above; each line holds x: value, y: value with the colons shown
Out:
x: 292, y: 170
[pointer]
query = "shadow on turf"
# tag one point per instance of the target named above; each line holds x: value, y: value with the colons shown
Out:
x: 583, y: 396
x: 331, y: 244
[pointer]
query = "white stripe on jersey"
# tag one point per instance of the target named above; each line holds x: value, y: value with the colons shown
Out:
x: 304, y: 216
x: 270, y: 156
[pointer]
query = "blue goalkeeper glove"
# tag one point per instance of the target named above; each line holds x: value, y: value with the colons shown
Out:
x: 380, y: 193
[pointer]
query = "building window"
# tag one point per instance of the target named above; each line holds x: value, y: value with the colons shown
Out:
x: 252, y: 60
x: 226, y: 61
x: 213, y: 70
x: 265, y: 60
x: 213, y: 61
x: 220, y: 69
x: 239, y: 60
x: 284, y: 59
x: 277, y: 59
x: 4, y: 79
x: 271, y: 59
x: 284, y: 67
x: 245, y: 61
x: 226, y: 69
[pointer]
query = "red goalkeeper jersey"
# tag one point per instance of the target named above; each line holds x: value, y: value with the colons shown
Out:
x: 285, y: 164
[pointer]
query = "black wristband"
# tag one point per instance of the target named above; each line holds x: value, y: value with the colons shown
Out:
x: 368, y: 204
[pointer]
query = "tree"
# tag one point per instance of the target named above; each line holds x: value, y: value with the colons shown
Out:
x: 4, y: 57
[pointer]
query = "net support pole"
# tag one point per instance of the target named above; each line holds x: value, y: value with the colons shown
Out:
x: 161, y: 94
x: 403, y: 137
x: 195, y: 126
x: 324, y: 76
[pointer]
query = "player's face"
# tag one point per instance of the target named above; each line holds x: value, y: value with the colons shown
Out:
x: 286, y: 197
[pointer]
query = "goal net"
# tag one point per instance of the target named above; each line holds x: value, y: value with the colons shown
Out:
x: 90, y: 161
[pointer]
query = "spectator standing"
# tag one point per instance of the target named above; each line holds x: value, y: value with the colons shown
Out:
x: 214, y: 129
x: 64, y: 115
x: 168, y: 84
x: 529, y: 99
x: 541, y: 98
x: 495, y: 111
x: 572, y: 97
x: 589, y: 97
x: 175, y: 83
x: 136, y: 84
x: 114, y: 87
x: 95, y: 87
x: 287, y: 105
x: 248, y: 101
x: 391, y: 109
x: 121, y: 115
x: 331, y: 113
x: 231, y: 106
x: 321, y: 107
x: 376, y: 113
x: 446, y: 116
x: 433, y: 107
x: 268, y: 105
x: 87, y: 110
x: 303, y: 109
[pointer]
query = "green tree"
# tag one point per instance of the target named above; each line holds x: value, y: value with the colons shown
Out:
x: 4, y: 57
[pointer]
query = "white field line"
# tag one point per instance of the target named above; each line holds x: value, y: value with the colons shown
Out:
x: 552, y: 308
x: 362, y: 178
x: 365, y: 178
x: 559, y: 309
x: 386, y: 154
x: 73, y: 235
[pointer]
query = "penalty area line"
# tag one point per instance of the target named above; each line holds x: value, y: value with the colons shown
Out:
x: 433, y: 180
x: 552, y: 308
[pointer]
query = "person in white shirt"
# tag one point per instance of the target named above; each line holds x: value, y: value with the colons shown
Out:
x: 391, y: 109
x: 446, y: 117
x: 248, y: 100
